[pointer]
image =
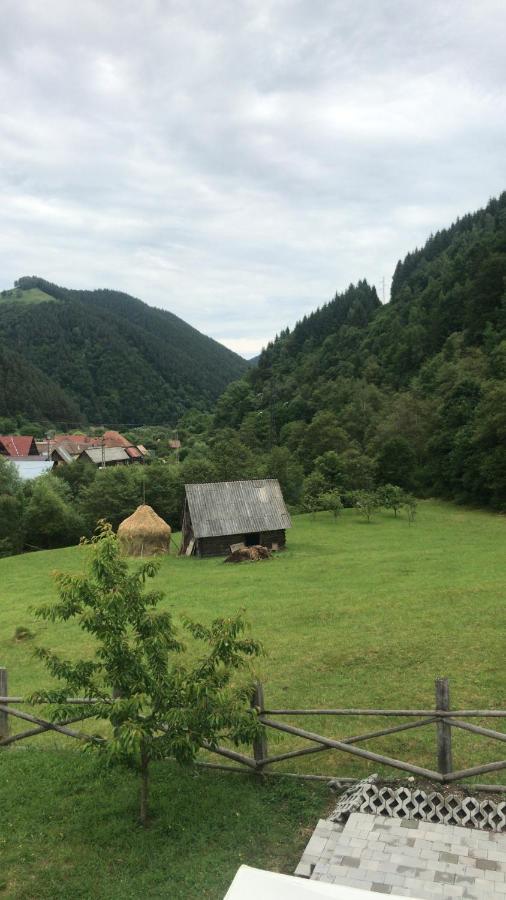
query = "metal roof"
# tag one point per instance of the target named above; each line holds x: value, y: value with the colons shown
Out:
x: 236, y: 507
x: 64, y: 453
x: 106, y: 454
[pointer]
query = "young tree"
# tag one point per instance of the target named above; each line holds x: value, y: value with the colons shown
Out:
x: 331, y: 500
x: 158, y: 702
x: 366, y: 502
x: 411, y: 504
x: 391, y: 496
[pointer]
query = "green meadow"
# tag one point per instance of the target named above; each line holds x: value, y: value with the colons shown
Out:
x: 350, y: 615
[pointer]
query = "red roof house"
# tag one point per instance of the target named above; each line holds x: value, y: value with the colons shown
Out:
x: 17, y: 445
x: 115, y: 439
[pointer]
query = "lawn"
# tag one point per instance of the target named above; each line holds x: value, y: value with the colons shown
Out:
x: 69, y: 831
x: 352, y: 614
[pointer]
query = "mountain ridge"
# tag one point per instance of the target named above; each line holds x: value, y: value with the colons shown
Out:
x: 114, y: 356
x: 412, y: 391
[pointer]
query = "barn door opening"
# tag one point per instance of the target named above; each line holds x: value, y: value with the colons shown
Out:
x: 251, y: 540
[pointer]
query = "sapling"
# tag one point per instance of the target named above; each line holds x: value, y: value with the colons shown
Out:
x: 157, y: 699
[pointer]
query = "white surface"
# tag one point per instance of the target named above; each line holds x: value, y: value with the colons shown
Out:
x: 28, y: 469
x: 251, y: 884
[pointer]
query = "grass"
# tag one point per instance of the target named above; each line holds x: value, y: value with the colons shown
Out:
x: 69, y: 830
x: 352, y: 614
x: 33, y: 295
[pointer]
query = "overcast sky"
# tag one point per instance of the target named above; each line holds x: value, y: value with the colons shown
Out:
x: 239, y: 162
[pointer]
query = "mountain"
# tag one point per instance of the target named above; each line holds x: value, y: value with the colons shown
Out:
x: 412, y: 392
x: 116, y: 359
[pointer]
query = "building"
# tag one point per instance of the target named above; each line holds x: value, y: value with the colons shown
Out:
x: 66, y: 448
x: 106, y: 456
x: 18, y: 445
x: 219, y: 514
x: 115, y: 439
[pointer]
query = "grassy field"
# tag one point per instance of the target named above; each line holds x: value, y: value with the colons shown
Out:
x: 352, y: 614
x: 33, y: 295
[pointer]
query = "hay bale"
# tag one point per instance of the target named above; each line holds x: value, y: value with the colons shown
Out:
x: 144, y: 533
x: 248, y: 554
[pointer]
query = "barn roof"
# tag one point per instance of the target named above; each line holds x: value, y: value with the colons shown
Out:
x: 236, y: 507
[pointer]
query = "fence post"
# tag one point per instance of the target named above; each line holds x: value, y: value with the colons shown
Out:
x: 444, y: 731
x: 4, y: 717
x: 260, y: 742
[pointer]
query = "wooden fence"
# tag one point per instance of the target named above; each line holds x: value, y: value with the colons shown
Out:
x: 442, y: 716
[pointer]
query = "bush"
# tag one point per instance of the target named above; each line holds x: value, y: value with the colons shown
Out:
x: 51, y: 518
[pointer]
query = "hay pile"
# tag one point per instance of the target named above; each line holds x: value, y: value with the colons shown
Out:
x: 248, y: 554
x: 144, y: 533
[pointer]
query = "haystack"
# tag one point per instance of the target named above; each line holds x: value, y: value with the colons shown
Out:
x: 144, y: 533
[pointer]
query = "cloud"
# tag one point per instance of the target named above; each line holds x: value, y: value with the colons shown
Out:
x: 237, y: 163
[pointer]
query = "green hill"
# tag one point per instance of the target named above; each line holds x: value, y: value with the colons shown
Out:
x: 412, y: 392
x: 116, y: 358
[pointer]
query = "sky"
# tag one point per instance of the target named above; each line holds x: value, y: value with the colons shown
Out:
x: 238, y: 163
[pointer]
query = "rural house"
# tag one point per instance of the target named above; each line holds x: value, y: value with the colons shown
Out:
x: 106, y: 456
x: 63, y: 449
x: 17, y: 445
x: 220, y: 514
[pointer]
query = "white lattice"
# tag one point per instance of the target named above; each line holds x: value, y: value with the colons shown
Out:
x: 414, y: 803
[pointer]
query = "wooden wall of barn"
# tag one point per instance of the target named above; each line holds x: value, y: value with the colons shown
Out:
x: 220, y: 545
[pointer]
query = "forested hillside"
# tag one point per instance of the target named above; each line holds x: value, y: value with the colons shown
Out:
x: 412, y: 393
x: 115, y: 358
x: 26, y: 391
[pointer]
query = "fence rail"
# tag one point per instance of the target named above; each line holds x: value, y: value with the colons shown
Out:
x: 442, y: 716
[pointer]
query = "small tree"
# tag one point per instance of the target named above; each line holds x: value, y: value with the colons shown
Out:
x: 411, y: 504
x: 331, y: 500
x: 158, y: 703
x: 366, y: 502
x: 391, y: 496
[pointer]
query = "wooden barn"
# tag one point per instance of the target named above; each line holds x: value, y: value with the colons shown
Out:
x: 220, y: 514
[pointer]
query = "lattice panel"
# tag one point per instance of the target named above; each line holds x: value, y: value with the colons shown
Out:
x: 413, y: 803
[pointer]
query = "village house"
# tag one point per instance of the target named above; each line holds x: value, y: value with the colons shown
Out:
x: 107, y: 456
x: 66, y: 448
x: 18, y: 445
x: 21, y: 451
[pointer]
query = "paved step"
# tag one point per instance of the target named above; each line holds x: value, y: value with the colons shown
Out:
x: 407, y: 858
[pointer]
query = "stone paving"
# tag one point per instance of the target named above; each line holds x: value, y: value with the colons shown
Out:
x: 407, y: 858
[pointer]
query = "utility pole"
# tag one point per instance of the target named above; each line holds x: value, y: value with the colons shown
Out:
x: 102, y: 444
